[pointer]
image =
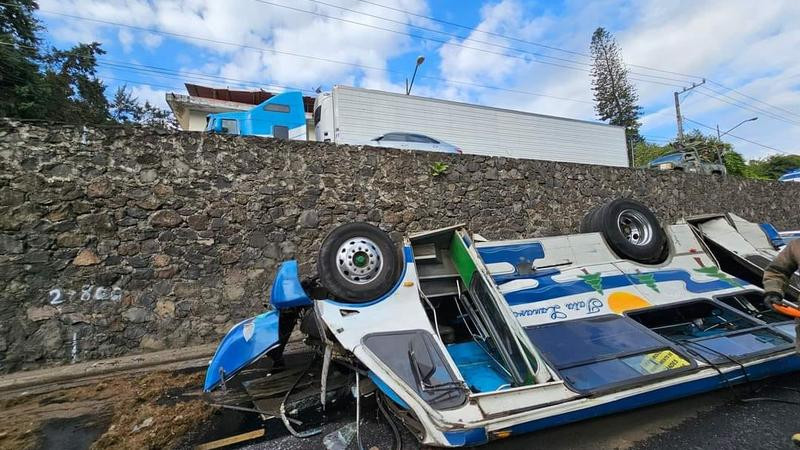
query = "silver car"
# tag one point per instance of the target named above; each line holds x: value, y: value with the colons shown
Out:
x: 414, y: 141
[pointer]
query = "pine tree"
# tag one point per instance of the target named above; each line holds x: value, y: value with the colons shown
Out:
x: 615, y: 97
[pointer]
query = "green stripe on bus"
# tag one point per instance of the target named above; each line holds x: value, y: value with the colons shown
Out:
x: 464, y: 264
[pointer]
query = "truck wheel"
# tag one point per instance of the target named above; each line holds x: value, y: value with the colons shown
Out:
x: 358, y: 263
x: 631, y: 230
x: 586, y: 222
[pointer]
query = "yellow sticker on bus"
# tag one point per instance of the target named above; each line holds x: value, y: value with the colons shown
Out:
x: 661, y: 361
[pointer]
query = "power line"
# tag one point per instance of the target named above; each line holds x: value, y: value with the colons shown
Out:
x: 431, y: 30
x: 416, y: 36
x: 138, y: 82
x: 750, y: 108
x: 327, y: 60
x: 754, y: 108
x: 266, y: 50
x: 515, y: 39
x: 740, y: 138
x: 316, y: 58
x: 572, y: 52
x: 455, y: 44
x: 464, y: 38
x: 185, y: 75
x: 488, y: 33
x: 755, y: 99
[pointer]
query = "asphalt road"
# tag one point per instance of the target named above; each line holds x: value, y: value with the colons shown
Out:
x: 710, y: 421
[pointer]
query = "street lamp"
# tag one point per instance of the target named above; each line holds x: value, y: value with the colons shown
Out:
x: 420, y: 60
x: 719, y: 136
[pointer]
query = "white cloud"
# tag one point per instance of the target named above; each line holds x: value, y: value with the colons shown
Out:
x: 152, y: 40
x: 156, y: 97
x: 125, y: 37
x: 750, y: 48
x: 264, y: 28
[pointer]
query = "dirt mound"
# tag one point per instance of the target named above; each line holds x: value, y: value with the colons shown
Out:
x: 150, y: 411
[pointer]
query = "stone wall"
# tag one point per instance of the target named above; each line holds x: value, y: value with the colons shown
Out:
x: 116, y: 240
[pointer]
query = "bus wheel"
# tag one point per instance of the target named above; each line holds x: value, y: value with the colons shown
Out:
x: 358, y: 263
x: 630, y: 229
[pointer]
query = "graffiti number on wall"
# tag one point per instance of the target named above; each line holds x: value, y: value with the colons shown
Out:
x: 55, y: 296
x: 88, y: 292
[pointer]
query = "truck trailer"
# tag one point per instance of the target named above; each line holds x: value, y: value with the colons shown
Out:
x: 355, y: 116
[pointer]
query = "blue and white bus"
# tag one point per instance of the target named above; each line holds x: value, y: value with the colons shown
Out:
x: 282, y: 116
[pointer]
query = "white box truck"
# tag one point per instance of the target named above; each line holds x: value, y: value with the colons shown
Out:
x: 356, y: 116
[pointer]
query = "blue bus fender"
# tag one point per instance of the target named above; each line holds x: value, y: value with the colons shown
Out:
x: 245, y: 343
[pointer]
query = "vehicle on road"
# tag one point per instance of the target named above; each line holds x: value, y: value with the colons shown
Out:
x: 349, y: 115
x: 281, y: 116
x: 414, y: 142
x: 465, y: 340
x: 686, y: 161
x: 791, y: 176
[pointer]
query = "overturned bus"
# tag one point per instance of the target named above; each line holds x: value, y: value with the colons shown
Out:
x: 464, y: 340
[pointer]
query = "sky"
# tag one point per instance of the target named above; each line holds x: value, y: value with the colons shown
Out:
x: 524, y: 55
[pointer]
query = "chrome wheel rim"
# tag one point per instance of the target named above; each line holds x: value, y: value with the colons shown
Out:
x: 635, y: 227
x: 359, y: 260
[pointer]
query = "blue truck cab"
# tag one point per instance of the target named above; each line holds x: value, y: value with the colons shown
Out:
x: 282, y: 116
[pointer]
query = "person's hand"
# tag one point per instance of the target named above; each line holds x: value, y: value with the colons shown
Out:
x: 771, y: 298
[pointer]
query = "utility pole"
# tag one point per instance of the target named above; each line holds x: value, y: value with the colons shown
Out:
x: 678, y: 109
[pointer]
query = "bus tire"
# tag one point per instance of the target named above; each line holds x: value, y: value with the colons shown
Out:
x: 358, y: 263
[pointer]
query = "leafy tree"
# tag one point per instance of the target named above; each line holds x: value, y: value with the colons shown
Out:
x: 734, y: 164
x: 615, y: 97
x: 644, y: 152
x: 125, y: 108
x: 77, y: 95
x: 58, y: 85
x: 17, y: 23
x: 708, y: 147
x: 774, y: 166
x: 21, y: 84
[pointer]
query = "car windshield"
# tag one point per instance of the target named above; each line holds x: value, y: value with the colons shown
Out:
x: 673, y: 157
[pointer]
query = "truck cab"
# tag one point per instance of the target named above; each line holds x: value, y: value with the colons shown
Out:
x: 686, y: 161
x: 281, y: 116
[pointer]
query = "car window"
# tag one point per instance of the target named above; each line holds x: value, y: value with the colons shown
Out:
x: 668, y: 158
x: 420, y: 138
x: 280, y: 131
x: 395, y: 137
x: 230, y: 126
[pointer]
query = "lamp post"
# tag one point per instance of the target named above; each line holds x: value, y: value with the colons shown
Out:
x: 420, y: 60
x: 719, y: 136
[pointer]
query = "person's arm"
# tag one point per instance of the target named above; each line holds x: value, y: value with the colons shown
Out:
x: 778, y: 273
